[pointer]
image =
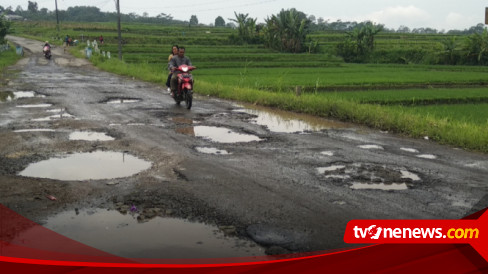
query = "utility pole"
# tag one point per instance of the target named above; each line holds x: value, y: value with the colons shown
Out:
x: 118, y: 27
x: 486, y: 16
x: 57, y: 16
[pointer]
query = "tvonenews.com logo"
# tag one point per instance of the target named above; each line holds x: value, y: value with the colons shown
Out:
x: 469, y: 231
x: 375, y: 232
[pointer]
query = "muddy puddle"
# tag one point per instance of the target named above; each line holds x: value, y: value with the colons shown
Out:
x: 87, y: 166
x: 218, y: 134
x: 288, y: 122
x: 90, y: 136
x: 168, y: 238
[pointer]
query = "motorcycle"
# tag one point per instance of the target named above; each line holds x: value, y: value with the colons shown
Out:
x: 185, y: 86
x: 47, y: 52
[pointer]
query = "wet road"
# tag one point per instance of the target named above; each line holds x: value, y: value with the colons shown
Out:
x: 286, y: 181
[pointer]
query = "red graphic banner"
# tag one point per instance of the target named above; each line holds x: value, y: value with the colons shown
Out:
x: 44, y: 251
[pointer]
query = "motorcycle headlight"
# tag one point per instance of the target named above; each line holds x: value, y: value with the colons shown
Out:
x: 184, y: 69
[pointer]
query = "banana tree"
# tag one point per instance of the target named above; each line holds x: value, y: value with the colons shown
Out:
x: 287, y: 31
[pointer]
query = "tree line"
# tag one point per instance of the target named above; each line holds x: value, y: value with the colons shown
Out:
x: 287, y: 31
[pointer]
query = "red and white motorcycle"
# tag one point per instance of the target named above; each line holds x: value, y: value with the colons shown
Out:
x: 185, y: 85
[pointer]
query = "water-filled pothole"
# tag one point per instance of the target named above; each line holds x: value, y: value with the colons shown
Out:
x: 218, y: 134
x: 34, y: 130
x: 371, y: 147
x: 380, y: 186
x: 63, y: 115
x: 35, y: 106
x: 122, y: 100
x: 87, y: 166
x: 369, y: 176
x: 411, y: 150
x: 427, y: 156
x: 167, y: 238
x: 90, y: 136
x: 26, y: 94
x: 10, y: 96
x: 212, y: 150
x: 288, y: 122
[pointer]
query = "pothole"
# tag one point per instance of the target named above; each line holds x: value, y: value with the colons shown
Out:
x: 411, y: 150
x: 380, y: 186
x: 59, y: 116
x: 87, y: 166
x: 288, y: 122
x: 369, y: 176
x: 427, y: 156
x: 212, y: 150
x: 371, y: 147
x: 26, y: 94
x: 183, y: 120
x: 34, y: 130
x: 219, y: 134
x: 35, y: 106
x: 127, y: 236
x: 90, y: 136
x: 121, y: 101
x: 330, y: 168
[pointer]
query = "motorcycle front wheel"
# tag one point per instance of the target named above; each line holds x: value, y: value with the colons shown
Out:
x: 189, y: 98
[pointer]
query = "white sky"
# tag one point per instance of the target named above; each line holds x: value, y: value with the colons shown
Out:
x: 439, y: 14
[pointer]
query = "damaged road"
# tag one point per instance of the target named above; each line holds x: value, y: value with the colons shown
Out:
x: 286, y: 182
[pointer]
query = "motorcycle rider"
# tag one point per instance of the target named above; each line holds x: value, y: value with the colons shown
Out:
x: 46, y: 48
x: 175, y: 62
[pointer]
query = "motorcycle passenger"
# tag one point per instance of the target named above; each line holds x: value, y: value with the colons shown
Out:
x: 174, y: 52
x: 175, y: 62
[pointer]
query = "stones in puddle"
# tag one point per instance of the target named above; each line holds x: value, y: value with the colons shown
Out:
x: 362, y: 176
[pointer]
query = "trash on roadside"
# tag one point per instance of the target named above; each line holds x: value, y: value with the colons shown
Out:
x: 51, y: 197
x: 133, y: 208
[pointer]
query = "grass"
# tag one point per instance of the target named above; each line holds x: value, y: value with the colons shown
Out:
x: 8, y: 58
x: 413, y: 97
x: 464, y: 113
